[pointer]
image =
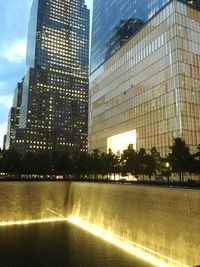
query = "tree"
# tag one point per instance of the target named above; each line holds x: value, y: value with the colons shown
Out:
x: 12, y: 161
x: 165, y: 169
x: 196, y: 166
x: 112, y: 162
x: 157, y: 160
x: 95, y: 158
x: 43, y: 163
x: 149, y: 165
x: 29, y: 163
x: 66, y: 164
x: 103, y: 164
x: 83, y: 163
x: 55, y: 162
x: 1, y: 161
x: 129, y: 160
x: 142, y: 162
x: 180, y: 158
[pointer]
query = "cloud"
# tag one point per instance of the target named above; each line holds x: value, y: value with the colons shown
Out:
x: 14, y: 17
x: 16, y: 52
x: 6, y: 101
x: 11, y: 71
x: 5, y: 105
x: 3, y: 129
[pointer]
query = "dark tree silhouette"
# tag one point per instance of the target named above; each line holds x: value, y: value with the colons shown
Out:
x: 83, y: 163
x: 129, y: 161
x: 142, y: 162
x: 12, y: 161
x: 43, y: 163
x: 1, y: 161
x: 196, y: 156
x: 180, y: 158
x: 112, y: 163
x: 157, y: 160
x: 67, y: 165
x: 55, y: 162
x: 95, y: 158
x: 149, y: 165
x: 30, y: 163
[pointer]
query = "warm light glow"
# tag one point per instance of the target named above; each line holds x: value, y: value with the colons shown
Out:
x: 120, y: 142
x: 133, y: 248
x: 56, y: 213
x: 46, y: 220
x: 9, y: 223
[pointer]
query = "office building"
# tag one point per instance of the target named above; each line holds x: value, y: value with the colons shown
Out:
x: 144, y: 87
x: 13, y: 118
x: 116, y: 21
x: 53, y: 112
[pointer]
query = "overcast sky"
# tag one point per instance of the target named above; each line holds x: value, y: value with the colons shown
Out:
x: 14, y: 16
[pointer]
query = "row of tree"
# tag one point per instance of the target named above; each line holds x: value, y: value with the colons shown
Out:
x: 138, y: 163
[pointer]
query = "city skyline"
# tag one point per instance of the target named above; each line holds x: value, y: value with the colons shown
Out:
x: 13, y: 38
x: 100, y: 133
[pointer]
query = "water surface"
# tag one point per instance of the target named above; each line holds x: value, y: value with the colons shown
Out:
x: 58, y: 244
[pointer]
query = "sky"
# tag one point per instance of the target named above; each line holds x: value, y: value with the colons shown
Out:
x: 14, y: 16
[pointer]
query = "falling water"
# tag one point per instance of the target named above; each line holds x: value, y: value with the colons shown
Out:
x: 162, y: 222
x: 158, y: 224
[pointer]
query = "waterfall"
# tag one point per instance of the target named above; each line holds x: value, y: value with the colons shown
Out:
x: 156, y: 221
x: 165, y: 221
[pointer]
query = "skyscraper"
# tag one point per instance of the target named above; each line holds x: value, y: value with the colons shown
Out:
x: 145, y: 75
x: 13, y: 117
x: 114, y: 22
x: 53, y: 112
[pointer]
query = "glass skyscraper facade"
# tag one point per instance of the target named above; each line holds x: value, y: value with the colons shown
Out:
x: 53, y: 113
x: 115, y: 21
x: 148, y: 91
x: 13, y: 117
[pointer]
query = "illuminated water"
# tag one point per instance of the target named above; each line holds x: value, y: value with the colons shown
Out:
x: 156, y: 224
x: 52, y: 244
x: 58, y: 245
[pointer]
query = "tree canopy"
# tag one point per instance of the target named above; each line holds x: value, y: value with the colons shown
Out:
x: 97, y: 164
